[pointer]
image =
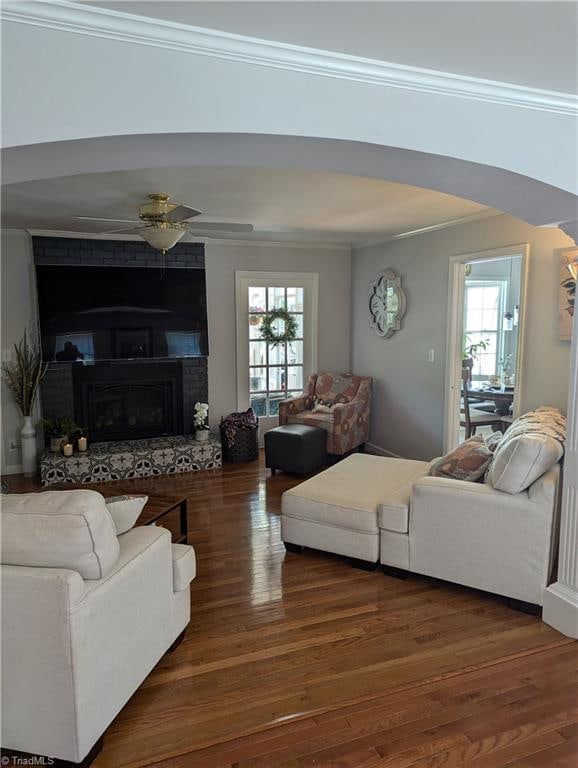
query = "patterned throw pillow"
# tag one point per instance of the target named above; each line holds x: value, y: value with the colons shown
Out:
x: 494, y: 440
x: 469, y: 461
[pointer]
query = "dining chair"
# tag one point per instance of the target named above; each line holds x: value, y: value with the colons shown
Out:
x: 471, y: 418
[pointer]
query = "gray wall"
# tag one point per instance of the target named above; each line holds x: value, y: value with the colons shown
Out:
x: 18, y: 313
x: 408, y: 406
x: 222, y: 261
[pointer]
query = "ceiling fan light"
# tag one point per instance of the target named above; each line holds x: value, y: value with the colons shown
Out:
x: 162, y: 238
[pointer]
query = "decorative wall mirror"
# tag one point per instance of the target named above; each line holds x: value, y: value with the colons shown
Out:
x: 386, y: 303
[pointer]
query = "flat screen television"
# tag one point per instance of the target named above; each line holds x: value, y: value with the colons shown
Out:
x: 121, y: 313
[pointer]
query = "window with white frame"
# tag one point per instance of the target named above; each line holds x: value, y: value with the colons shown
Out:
x: 275, y: 371
x: 270, y: 373
x: 483, y: 322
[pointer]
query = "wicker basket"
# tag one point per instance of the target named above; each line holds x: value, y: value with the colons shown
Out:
x: 245, y: 447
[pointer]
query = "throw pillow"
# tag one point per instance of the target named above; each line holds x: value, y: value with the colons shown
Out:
x: 494, y: 440
x: 322, y: 406
x: 469, y: 461
x: 530, y: 447
x: 125, y: 510
x: 59, y: 529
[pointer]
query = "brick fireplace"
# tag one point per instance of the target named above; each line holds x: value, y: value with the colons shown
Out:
x: 61, y: 390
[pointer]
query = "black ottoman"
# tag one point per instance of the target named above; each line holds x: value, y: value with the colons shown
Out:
x: 295, y: 448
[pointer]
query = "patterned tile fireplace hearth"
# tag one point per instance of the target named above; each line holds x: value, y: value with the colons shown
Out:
x: 131, y: 458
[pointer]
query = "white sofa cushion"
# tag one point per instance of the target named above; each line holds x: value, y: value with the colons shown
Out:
x: 59, y: 529
x: 184, y: 566
x: 125, y: 511
x: 349, y: 494
x: 394, y: 510
x: 531, y: 446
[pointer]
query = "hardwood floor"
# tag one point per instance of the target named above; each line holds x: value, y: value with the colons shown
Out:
x: 293, y: 661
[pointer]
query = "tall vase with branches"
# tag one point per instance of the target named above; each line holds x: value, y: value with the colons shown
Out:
x: 22, y: 376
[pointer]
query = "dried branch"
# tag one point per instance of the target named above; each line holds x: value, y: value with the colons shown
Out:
x: 24, y: 374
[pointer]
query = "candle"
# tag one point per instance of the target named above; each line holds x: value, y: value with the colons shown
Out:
x: 82, y: 444
x: 67, y: 449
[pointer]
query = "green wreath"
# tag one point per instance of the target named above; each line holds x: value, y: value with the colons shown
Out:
x: 269, y: 334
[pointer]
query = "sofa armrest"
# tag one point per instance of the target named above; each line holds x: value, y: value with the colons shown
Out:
x: 343, y: 412
x: 293, y: 405
x: 472, y: 534
x: 74, y: 651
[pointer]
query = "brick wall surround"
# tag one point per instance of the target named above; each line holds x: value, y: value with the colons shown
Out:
x: 114, y: 253
x: 56, y: 391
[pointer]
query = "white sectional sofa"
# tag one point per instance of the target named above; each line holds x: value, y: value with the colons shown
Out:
x: 341, y: 510
x: 82, y: 628
x: 372, y: 509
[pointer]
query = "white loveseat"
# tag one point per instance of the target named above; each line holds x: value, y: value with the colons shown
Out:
x: 76, y: 647
x: 372, y: 508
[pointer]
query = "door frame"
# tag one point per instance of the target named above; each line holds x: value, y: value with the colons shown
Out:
x: 455, y: 329
x: 309, y: 281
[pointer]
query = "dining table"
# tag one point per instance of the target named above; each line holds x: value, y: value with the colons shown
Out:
x: 503, y: 396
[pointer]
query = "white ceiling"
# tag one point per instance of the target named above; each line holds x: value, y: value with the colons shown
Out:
x: 283, y: 205
x: 527, y: 43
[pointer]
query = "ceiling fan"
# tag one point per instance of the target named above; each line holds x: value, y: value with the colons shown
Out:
x: 165, y: 223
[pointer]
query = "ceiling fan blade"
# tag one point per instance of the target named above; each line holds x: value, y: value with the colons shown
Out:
x: 182, y: 213
x: 216, y: 226
x: 99, y: 218
x: 124, y: 230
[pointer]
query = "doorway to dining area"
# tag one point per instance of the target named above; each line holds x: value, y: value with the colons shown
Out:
x: 485, y: 344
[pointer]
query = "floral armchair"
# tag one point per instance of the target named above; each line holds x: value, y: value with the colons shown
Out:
x: 345, y: 402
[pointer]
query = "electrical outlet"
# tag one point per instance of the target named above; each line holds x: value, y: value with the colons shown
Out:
x: 431, y: 355
x: 14, y: 445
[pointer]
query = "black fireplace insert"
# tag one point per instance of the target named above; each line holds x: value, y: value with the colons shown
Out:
x: 127, y: 401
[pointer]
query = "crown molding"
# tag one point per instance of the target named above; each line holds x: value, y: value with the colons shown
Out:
x: 489, y: 213
x: 67, y: 16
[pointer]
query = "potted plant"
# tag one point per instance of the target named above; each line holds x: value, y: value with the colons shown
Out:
x: 200, y: 420
x: 22, y: 376
x: 471, y: 351
x: 58, y: 431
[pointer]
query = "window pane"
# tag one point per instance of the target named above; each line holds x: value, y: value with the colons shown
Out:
x: 276, y: 298
x: 473, y: 319
x: 257, y: 353
x: 490, y: 319
x: 276, y: 379
x: 257, y: 300
x: 259, y: 404
x: 295, y: 299
x: 277, y: 354
x: 274, y: 401
x: 295, y: 352
x: 255, y: 323
x: 299, y: 319
x: 295, y: 376
x: 257, y: 379
x: 475, y: 297
x: 279, y: 326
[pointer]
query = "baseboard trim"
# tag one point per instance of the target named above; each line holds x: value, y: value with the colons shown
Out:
x: 560, y: 609
x: 12, y: 469
x: 377, y: 450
